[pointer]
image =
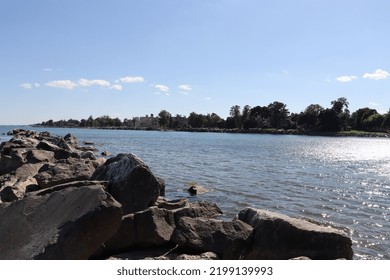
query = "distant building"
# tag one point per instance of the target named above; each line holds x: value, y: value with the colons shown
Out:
x: 147, y: 122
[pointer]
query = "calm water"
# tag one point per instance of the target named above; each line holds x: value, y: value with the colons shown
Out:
x: 344, y: 182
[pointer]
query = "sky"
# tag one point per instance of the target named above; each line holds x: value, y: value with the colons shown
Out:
x: 128, y: 58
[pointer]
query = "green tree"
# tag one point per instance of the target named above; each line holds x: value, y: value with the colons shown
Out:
x: 329, y: 120
x: 373, y: 122
x: 164, y: 118
x: 278, y: 114
x: 235, y: 113
x: 358, y: 117
x: 309, y: 119
x: 260, y: 115
x: 196, y: 120
x: 340, y: 106
x: 386, y: 121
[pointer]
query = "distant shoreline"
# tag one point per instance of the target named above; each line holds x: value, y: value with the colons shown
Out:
x: 351, y: 133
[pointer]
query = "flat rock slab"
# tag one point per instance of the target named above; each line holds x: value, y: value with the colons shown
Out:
x: 68, y: 224
x: 227, y: 239
x: 278, y: 236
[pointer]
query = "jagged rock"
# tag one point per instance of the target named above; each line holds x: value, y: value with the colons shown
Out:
x: 17, y: 190
x: 277, y: 236
x: 130, y: 182
x: 228, y: 239
x: 67, y: 224
x: 74, y: 184
x: 144, y: 229
x: 63, y: 172
x: 161, y: 182
x: 198, y: 209
x: 154, y: 226
x: 162, y: 202
x: 35, y: 156
x: 11, y: 160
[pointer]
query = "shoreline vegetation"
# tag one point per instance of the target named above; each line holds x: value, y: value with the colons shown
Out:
x: 272, y: 119
x: 271, y: 131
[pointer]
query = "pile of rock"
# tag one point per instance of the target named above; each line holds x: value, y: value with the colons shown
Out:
x: 59, y: 201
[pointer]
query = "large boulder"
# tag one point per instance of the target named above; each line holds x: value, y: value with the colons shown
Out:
x: 277, y: 236
x: 229, y: 239
x: 68, y: 224
x: 144, y: 229
x: 130, y: 182
x: 64, y: 171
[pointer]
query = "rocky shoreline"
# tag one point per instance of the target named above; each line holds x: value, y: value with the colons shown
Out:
x: 58, y: 200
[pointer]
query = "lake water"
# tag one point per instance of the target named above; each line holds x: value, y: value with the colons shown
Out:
x: 344, y: 182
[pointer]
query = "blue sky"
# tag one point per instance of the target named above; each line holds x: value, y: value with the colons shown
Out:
x: 126, y: 58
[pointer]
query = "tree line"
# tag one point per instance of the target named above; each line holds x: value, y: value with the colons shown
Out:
x: 273, y: 116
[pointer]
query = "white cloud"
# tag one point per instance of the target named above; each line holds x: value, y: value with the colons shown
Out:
x: 379, y: 74
x: 117, y: 87
x: 47, y: 69
x: 162, y: 88
x: 346, y: 79
x: 37, y: 85
x: 185, y: 87
x: 132, y: 80
x: 208, y: 98
x: 88, y: 83
x: 68, y: 84
x: 26, y: 85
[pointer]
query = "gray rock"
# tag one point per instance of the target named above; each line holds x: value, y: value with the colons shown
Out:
x: 67, y: 224
x: 17, y: 190
x: 65, y: 171
x: 228, y: 239
x: 198, y: 209
x: 277, y: 236
x: 144, y: 229
x: 130, y: 182
x: 162, y: 202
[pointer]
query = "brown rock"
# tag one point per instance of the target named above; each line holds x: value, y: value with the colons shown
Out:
x: 228, y: 239
x: 277, y: 236
x: 67, y: 224
x: 130, y: 182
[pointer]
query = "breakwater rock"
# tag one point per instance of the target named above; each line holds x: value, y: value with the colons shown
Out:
x: 60, y: 201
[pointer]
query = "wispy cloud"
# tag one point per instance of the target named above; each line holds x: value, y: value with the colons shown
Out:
x: 132, y: 80
x: 88, y: 83
x: 117, y: 87
x: 185, y: 87
x: 379, y: 74
x: 208, y: 98
x: 47, y: 69
x: 346, y: 79
x: 30, y: 85
x: 162, y: 88
x: 67, y: 84
x: 26, y: 85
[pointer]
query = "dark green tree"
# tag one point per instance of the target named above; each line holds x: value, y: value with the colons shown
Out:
x: 164, y: 118
x: 235, y: 113
x: 309, y: 119
x: 278, y: 114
